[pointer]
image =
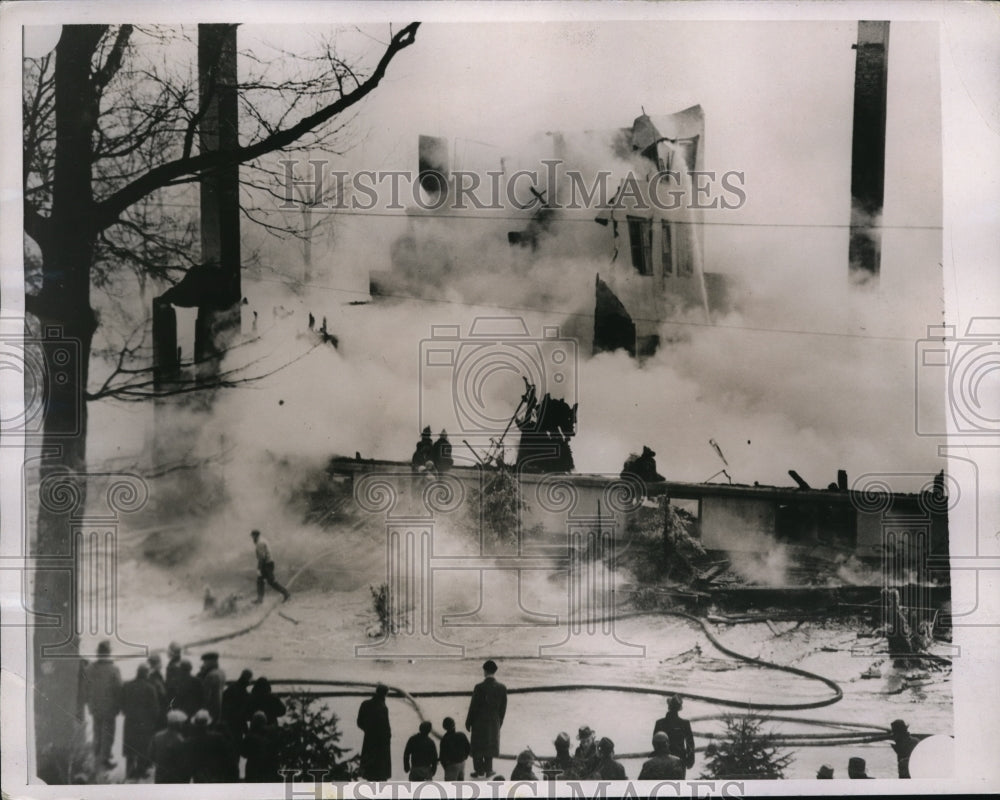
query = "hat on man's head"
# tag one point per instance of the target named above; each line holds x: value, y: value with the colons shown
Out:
x: 381, y: 689
x: 202, y: 719
x: 489, y: 667
x: 606, y: 745
x: 426, y: 431
x: 104, y: 648
x: 855, y: 766
x: 826, y: 771
x: 210, y: 656
x: 898, y: 726
x: 584, y: 732
x: 562, y: 738
x: 176, y: 717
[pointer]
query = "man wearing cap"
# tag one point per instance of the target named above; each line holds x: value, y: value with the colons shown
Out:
x: 663, y: 765
x: 213, y: 683
x: 486, y: 712
x: 103, y: 682
x: 607, y: 768
x: 825, y: 773
x: 585, y: 757
x: 455, y: 750
x: 856, y: 768
x: 265, y: 568
x: 562, y: 765
x: 420, y: 756
x: 522, y: 770
x: 373, y: 719
x: 903, y: 744
x: 168, y: 751
x: 679, y: 731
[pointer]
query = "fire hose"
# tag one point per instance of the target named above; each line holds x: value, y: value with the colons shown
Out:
x: 862, y: 733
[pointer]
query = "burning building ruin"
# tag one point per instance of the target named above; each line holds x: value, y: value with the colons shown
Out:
x: 630, y: 198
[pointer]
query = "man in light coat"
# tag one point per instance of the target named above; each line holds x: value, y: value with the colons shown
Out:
x: 265, y: 568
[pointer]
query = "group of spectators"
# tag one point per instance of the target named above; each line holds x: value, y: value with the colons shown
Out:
x: 593, y: 759
x: 195, y: 727
x: 180, y: 725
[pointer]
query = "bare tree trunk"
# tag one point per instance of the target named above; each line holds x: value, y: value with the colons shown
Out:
x: 68, y: 325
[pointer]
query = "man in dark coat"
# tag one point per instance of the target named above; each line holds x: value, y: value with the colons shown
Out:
x: 373, y: 719
x: 141, y: 707
x: 213, y: 682
x: 585, y: 757
x: 260, y: 748
x: 455, y: 750
x: 903, y: 744
x: 663, y: 765
x: 522, y: 769
x: 211, y: 755
x: 486, y: 712
x: 442, y: 453
x: 562, y: 765
x: 168, y: 751
x: 155, y: 664
x: 607, y: 768
x: 262, y: 699
x: 188, y: 695
x: 104, y: 697
x: 679, y: 731
x: 172, y: 674
x: 424, y: 451
x: 857, y: 769
x: 420, y: 756
x: 236, y: 706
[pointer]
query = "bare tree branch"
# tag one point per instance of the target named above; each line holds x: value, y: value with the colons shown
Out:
x: 114, y: 61
x: 107, y: 211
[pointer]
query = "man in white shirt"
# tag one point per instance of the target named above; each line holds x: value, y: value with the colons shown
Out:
x: 265, y: 568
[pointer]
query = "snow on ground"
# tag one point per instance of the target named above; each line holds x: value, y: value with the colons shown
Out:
x: 315, y: 634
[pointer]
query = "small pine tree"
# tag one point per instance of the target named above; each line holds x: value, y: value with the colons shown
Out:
x: 746, y: 752
x: 308, y: 739
x: 501, y: 504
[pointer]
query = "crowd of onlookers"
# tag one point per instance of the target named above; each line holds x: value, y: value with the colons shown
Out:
x: 186, y: 726
x: 181, y: 725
